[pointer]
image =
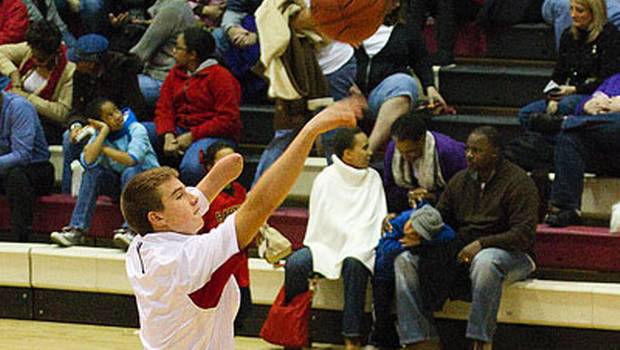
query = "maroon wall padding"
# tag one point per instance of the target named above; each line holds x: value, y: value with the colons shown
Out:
x: 578, y: 247
x: 292, y: 223
x: 51, y: 213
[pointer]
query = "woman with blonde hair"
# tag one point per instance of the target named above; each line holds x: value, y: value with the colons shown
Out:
x: 589, y: 53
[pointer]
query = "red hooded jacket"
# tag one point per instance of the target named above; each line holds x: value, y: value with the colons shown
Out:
x: 206, y: 103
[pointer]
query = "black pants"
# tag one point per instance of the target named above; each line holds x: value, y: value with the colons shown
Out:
x: 22, y: 184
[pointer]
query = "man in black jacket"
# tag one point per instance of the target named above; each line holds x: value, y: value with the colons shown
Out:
x: 99, y: 73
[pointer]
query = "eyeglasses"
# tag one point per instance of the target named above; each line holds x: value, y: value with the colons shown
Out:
x: 178, y: 48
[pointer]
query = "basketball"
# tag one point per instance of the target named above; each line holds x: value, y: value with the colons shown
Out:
x: 349, y: 21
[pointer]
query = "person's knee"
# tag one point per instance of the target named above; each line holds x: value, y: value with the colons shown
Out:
x: 404, y: 262
x: 485, y: 267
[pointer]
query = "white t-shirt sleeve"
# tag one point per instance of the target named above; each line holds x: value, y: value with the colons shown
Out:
x: 203, y: 202
x: 204, y: 254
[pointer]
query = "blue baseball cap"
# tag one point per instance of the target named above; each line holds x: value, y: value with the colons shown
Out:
x: 89, y: 47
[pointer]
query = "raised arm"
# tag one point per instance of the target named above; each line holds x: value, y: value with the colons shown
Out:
x: 273, y: 187
x: 225, y: 171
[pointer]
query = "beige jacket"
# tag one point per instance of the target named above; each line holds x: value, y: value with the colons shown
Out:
x: 13, y: 56
x: 274, y: 35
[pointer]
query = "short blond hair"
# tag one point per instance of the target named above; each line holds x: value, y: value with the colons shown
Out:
x: 599, y: 18
x: 142, y: 195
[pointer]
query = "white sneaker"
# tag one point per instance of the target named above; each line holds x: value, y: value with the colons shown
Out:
x: 123, y: 237
x: 69, y: 236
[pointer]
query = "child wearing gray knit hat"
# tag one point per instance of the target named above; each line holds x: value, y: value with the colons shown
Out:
x: 426, y: 221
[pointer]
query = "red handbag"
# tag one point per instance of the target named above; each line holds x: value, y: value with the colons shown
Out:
x: 287, y: 325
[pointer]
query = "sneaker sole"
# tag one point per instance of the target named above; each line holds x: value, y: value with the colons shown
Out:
x: 121, y: 242
x: 59, y: 239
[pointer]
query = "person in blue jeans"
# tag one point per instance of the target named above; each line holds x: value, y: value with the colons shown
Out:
x: 589, y: 140
x: 492, y: 205
x: 589, y: 53
x: 339, y: 66
x: 413, y: 229
x: 347, y: 206
x: 119, y: 149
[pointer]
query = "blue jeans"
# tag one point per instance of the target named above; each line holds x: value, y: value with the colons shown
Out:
x: 557, y: 13
x: 150, y: 88
x: 395, y: 85
x: 340, y: 82
x: 566, y: 107
x: 595, y: 146
x: 70, y: 152
x: 490, y: 268
x: 281, y: 139
x: 298, y: 270
x: 191, y: 170
x: 94, y: 181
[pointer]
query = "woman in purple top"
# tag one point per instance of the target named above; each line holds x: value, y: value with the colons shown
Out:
x: 418, y: 160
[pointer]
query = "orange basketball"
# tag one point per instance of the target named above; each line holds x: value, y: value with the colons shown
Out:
x: 349, y: 21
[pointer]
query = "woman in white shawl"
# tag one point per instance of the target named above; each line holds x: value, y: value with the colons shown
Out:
x: 347, y: 206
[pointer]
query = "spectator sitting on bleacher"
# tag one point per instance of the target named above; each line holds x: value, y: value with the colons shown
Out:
x: 156, y: 47
x: 419, y: 160
x: 119, y: 149
x: 199, y: 105
x: 589, y: 53
x: 384, y: 64
x: 337, y: 63
x: 99, y: 73
x: 492, y: 205
x: 418, y: 230
x: 25, y: 169
x: 226, y: 203
x: 347, y: 206
x: 589, y: 140
x: 13, y: 21
x: 559, y: 14
x: 39, y: 71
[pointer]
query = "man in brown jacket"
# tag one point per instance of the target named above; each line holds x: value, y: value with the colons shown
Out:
x: 492, y: 205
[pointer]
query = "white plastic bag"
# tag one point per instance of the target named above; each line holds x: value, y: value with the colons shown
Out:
x: 614, y: 224
x: 76, y: 177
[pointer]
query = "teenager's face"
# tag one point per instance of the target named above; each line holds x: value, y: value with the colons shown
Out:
x: 181, y: 212
x: 358, y: 156
x: 181, y: 55
x: 111, y: 115
x: 581, y: 15
x: 409, y: 149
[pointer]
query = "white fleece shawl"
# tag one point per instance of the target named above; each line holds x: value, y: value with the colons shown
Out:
x: 347, y: 207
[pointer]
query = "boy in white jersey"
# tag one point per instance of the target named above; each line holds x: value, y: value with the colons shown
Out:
x: 187, y: 297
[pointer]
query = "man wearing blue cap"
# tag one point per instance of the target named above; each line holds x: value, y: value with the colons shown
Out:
x: 99, y: 73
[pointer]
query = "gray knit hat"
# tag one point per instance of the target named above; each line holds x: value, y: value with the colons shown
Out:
x: 426, y: 221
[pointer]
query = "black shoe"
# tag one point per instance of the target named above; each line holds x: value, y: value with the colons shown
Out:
x: 563, y: 218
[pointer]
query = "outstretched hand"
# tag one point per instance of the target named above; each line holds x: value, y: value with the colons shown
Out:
x: 341, y: 114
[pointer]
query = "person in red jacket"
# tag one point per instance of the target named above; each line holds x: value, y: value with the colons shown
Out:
x: 13, y: 21
x: 198, y: 105
x: 226, y: 203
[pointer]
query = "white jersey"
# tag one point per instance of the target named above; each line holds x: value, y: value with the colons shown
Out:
x: 186, y: 294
